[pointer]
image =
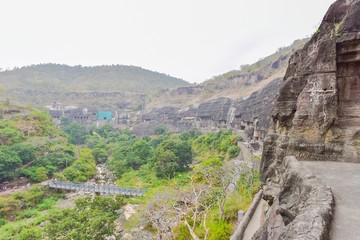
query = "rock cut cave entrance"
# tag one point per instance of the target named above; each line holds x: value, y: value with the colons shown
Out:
x: 348, y: 78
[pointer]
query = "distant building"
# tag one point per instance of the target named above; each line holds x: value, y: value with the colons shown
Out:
x: 104, y: 115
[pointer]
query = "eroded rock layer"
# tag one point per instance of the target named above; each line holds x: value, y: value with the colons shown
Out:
x: 316, y: 117
x: 303, y: 209
x: 317, y: 113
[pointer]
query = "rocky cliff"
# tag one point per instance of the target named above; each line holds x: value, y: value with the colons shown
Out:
x: 235, y: 84
x: 315, y: 117
x: 251, y: 114
x: 317, y: 113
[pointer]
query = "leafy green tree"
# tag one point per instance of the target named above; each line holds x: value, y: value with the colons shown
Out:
x: 166, y: 163
x: 233, y: 151
x: 55, y: 157
x: 133, y: 161
x: 41, y: 174
x: 160, y: 129
x: 171, y: 156
x: 95, y: 141
x: 100, y: 155
x: 119, y: 167
x: 35, y: 174
x: 105, y: 130
x: 9, y: 162
x: 77, y: 132
x: 10, y: 135
x: 64, y: 122
x: 26, y: 152
x: 83, y: 168
x: 142, y: 150
x: 90, y: 219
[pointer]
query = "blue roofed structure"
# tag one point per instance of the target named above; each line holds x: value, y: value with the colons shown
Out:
x: 104, y: 115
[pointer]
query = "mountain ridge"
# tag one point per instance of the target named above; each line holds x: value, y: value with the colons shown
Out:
x: 47, y: 83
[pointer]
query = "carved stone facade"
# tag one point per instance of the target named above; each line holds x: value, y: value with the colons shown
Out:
x: 316, y: 117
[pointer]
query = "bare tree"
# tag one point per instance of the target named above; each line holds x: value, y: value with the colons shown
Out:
x: 194, y: 203
x: 222, y: 179
x: 160, y: 215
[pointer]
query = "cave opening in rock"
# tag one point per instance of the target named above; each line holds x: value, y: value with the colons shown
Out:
x: 348, y: 78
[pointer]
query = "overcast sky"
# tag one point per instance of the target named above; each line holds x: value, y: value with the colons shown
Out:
x: 190, y: 39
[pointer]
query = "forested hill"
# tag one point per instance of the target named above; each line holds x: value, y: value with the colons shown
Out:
x: 56, y: 77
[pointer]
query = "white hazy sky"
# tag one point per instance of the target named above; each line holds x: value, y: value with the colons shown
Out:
x: 190, y: 39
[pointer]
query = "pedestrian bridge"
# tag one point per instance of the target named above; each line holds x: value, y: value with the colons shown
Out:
x: 96, y: 188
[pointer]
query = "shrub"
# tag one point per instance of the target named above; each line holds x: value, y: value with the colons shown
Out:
x: 33, y: 233
x: 233, y: 151
x: 2, y: 221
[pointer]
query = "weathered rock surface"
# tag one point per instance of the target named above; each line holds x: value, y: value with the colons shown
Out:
x: 317, y: 113
x: 302, y: 209
x: 256, y: 109
x: 316, y: 117
x: 251, y: 114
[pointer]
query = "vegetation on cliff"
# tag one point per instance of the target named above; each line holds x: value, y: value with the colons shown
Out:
x: 31, y: 145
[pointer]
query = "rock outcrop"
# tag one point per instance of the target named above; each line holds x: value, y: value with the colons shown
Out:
x: 316, y: 117
x: 256, y: 109
x: 302, y: 209
x: 317, y: 113
x: 251, y: 114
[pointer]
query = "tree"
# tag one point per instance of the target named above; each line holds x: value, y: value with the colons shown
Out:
x: 100, y: 155
x: 160, y: 130
x: 25, y: 151
x: 9, y: 135
x: 219, y: 177
x: 9, y: 162
x: 142, y: 150
x: 233, y: 151
x: 160, y: 214
x: 83, y: 168
x: 95, y: 141
x: 192, y: 206
x: 172, y: 155
x: 105, y: 130
x: 166, y: 164
x: 35, y: 174
x: 90, y: 219
x: 77, y: 132
x: 132, y: 160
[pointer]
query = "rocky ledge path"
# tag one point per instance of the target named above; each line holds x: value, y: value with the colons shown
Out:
x: 344, y: 180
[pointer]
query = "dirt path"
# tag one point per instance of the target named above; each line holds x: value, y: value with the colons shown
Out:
x: 14, y: 190
x: 344, y: 180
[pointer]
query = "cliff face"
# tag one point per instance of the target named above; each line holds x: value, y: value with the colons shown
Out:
x: 251, y: 114
x: 256, y: 109
x: 235, y: 84
x: 317, y: 113
x: 315, y: 117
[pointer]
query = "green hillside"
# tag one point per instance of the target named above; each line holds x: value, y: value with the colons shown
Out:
x: 78, y: 78
x: 30, y: 144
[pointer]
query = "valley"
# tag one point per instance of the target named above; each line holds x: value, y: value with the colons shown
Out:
x: 267, y: 151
